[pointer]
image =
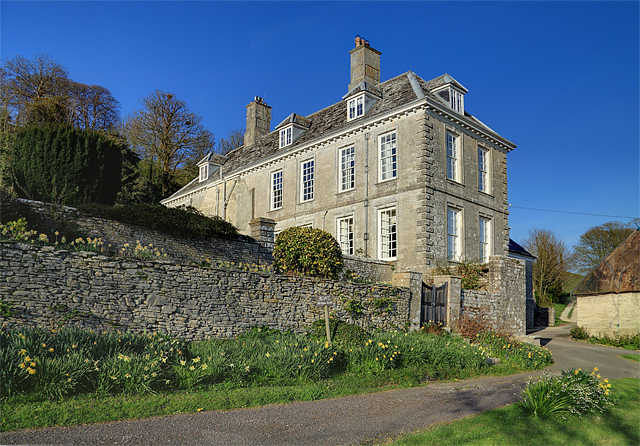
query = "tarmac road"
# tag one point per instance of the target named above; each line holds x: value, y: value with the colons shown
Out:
x: 349, y: 420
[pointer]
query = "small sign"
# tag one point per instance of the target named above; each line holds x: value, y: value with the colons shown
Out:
x: 324, y: 301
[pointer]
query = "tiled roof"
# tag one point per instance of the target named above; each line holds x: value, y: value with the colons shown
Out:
x: 395, y: 93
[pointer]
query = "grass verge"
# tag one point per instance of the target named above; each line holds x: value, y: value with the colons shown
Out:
x: 22, y: 412
x: 513, y: 425
x: 635, y: 358
x: 559, y: 307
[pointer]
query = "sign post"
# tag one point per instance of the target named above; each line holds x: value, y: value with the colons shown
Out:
x: 325, y: 301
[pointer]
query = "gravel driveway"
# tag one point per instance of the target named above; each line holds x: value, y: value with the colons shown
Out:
x: 342, y: 421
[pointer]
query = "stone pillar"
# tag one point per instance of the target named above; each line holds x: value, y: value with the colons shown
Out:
x: 413, y: 281
x: 454, y: 288
x: 262, y: 230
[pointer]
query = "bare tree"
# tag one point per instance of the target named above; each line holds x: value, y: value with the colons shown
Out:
x: 167, y: 134
x: 36, y: 88
x: 550, y: 268
x: 233, y: 140
x: 595, y: 244
x: 93, y: 107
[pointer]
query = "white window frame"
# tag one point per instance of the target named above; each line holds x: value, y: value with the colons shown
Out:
x: 454, y: 236
x: 456, y: 100
x: 307, y: 180
x: 344, y: 231
x: 204, y: 172
x: 484, y: 239
x: 388, y: 156
x: 277, y: 191
x: 453, y: 156
x: 286, y: 136
x: 355, y: 107
x: 347, y: 169
x: 388, y: 234
x: 483, y: 170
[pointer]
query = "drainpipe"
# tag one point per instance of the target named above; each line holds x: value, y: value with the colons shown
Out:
x: 226, y: 199
x: 366, y: 194
x: 217, y: 202
x: 325, y: 214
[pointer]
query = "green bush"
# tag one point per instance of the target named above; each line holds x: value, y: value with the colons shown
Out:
x: 183, y: 221
x: 579, y: 333
x: 573, y: 391
x: 65, y: 165
x: 307, y: 252
x: 342, y: 333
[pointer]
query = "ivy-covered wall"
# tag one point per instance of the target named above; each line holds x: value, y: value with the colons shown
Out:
x: 40, y: 286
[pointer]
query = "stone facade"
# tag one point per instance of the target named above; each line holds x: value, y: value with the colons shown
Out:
x: 610, y: 314
x: 48, y: 288
x: 414, y: 201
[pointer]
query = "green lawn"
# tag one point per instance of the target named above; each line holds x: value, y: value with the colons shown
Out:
x: 570, y: 281
x: 512, y: 425
x: 559, y: 307
x: 635, y: 358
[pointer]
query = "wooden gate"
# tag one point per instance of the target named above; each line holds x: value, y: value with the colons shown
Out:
x: 434, y: 302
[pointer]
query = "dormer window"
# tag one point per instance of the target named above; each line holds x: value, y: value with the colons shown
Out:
x: 453, y: 97
x: 286, y: 136
x: 292, y: 128
x: 204, y: 172
x: 356, y: 107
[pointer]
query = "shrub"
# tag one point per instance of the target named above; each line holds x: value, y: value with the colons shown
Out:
x: 342, y: 333
x: 471, y: 325
x: 66, y: 165
x: 579, y: 333
x: 573, y: 391
x: 183, y: 221
x: 308, y: 252
x: 473, y: 274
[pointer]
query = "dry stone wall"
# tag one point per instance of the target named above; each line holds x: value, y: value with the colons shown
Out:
x: 48, y: 288
x: 503, y: 307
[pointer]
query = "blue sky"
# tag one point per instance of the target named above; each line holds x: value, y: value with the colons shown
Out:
x: 559, y: 79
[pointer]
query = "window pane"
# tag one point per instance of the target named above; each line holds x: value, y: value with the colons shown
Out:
x: 483, y: 239
x: 276, y: 189
x: 388, y: 165
x: 452, y: 156
x: 307, y: 180
x: 345, y: 235
x: 482, y: 170
x: 347, y: 169
x: 452, y: 234
x: 388, y: 234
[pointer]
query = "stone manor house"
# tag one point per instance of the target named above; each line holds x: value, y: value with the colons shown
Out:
x: 398, y: 171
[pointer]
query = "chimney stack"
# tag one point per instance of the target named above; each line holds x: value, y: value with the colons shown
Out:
x: 258, y: 121
x: 365, y: 64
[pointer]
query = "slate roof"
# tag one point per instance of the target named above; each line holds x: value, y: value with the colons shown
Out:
x: 396, y: 92
x: 515, y: 248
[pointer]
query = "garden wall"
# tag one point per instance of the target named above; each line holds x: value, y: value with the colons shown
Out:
x: 610, y: 314
x: 257, y: 249
x: 48, y: 288
x: 502, y: 307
